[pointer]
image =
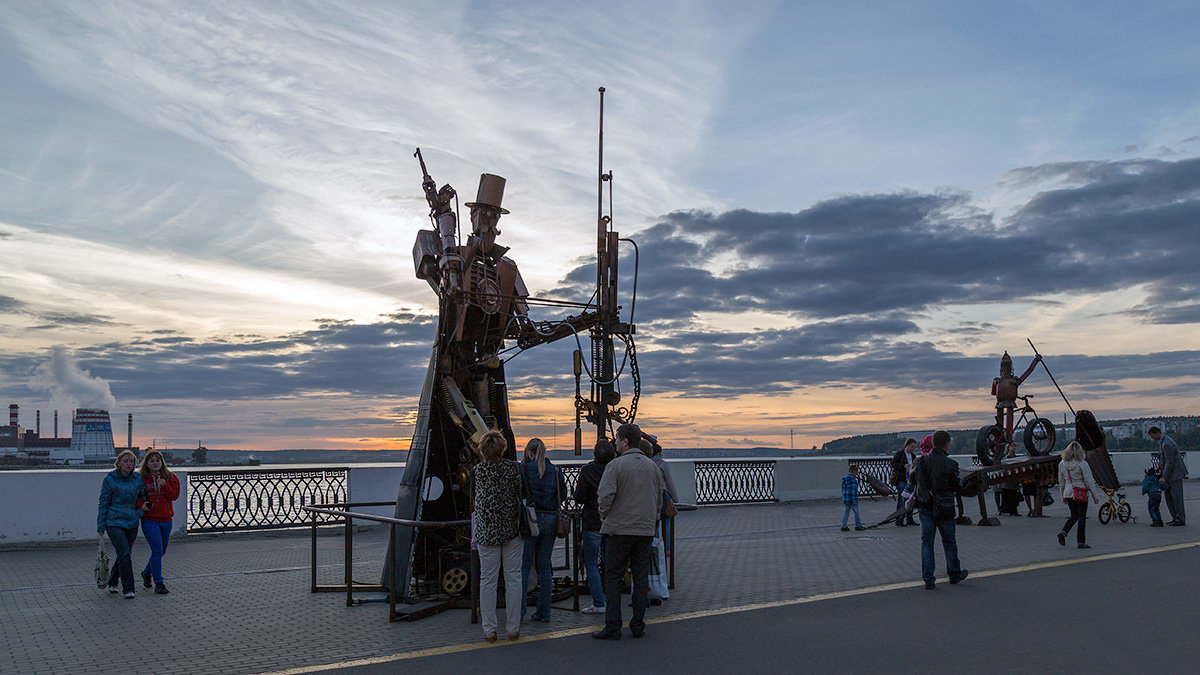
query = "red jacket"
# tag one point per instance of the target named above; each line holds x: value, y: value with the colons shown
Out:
x: 160, y: 498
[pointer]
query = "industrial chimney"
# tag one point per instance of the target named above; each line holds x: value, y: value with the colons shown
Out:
x: 56, y: 424
x: 37, y: 429
x: 129, y: 442
x: 12, y: 414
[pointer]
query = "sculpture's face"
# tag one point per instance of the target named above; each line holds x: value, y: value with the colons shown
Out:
x: 1006, y: 367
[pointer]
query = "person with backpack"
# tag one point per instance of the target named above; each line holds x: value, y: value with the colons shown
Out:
x: 937, y: 486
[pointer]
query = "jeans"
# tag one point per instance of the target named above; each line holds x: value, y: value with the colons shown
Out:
x: 1153, y: 502
x: 846, y: 515
x: 900, y: 499
x: 626, y: 550
x: 122, y: 540
x: 491, y: 559
x: 537, y: 553
x: 945, y: 527
x: 591, y: 563
x: 158, y: 533
x: 1078, y: 515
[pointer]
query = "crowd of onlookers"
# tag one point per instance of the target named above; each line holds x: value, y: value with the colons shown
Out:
x: 626, y: 498
x: 926, y: 482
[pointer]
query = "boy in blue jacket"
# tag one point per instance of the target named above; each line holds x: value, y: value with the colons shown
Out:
x: 1152, y: 486
x: 850, y: 498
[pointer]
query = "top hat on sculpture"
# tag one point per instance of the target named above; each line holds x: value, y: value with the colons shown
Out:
x: 490, y: 194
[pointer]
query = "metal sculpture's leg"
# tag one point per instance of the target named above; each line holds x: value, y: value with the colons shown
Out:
x: 984, y: 520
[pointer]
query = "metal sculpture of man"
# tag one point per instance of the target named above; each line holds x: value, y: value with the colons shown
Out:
x: 482, y: 304
x: 1005, y: 389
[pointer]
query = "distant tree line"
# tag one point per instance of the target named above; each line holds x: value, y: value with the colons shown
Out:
x: 1185, y: 431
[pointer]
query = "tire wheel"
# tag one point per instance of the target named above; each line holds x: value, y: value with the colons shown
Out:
x: 1105, y: 513
x: 1124, y: 512
x: 456, y: 581
x: 1039, y: 437
x: 989, y: 445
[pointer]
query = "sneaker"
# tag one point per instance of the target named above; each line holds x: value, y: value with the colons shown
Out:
x: 859, y: 528
x: 1156, y: 524
x: 592, y: 610
x: 147, y: 582
x: 845, y: 529
x: 1062, y: 538
x: 1084, y: 546
x: 160, y: 589
x: 930, y: 586
x: 112, y: 588
x: 129, y: 595
x: 959, y: 577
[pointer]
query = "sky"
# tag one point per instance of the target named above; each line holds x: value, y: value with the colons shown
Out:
x: 845, y: 212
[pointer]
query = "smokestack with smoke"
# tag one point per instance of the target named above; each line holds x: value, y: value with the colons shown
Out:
x: 68, y: 385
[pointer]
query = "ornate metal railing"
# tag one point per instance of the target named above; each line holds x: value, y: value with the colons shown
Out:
x: 878, y: 468
x: 735, y: 482
x: 260, y: 499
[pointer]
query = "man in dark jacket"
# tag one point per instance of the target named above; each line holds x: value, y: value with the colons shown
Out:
x: 1173, y: 473
x: 937, y: 485
x: 902, y: 463
x: 589, y: 519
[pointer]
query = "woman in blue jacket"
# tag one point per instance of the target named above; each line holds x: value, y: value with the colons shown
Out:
x: 122, y: 498
x: 545, y: 489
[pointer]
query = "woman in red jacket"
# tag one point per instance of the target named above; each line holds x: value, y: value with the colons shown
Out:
x: 162, y: 488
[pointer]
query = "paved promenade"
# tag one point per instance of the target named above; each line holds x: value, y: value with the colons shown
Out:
x: 757, y: 586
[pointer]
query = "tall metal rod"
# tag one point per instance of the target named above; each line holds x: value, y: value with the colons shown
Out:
x: 1060, y: 391
x: 601, y: 364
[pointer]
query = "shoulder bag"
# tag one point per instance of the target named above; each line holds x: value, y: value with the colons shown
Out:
x: 527, y: 521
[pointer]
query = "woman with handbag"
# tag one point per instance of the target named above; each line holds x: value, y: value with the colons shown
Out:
x: 496, y: 494
x: 120, y: 508
x: 162, y: 488
x: 1078, y: 485
x: 545, y: 487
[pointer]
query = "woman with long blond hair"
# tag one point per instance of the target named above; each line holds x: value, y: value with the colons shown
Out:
x: 545, y: 490
x: 1078, y: 484
x: 162, y: 488
x: 121, y: 500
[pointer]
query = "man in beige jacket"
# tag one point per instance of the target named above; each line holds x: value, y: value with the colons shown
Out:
x: 630, y: 496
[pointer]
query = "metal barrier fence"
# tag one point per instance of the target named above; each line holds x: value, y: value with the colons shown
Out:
x: 259, y: 499
x: 877, y: 468
x: 735, y: 482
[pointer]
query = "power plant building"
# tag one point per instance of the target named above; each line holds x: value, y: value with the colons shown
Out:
x: 91, y: 438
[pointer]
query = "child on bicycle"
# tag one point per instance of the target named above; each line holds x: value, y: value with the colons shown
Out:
x: 1152, y: 486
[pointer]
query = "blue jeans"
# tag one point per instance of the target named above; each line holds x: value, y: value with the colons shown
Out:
x: 1152, y: 503
x: 538, y: 551
x: 122, y: 540
x: 157, y: 532
x: 846, y: 515
x: 591, y: 563
x: 945, y: 527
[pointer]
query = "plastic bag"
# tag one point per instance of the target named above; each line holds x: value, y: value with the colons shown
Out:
x: 101, y: 566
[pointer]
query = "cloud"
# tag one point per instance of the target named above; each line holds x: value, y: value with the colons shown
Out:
x: 68, y: 385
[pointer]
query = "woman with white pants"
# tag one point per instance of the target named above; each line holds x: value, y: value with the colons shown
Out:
x: 496, y: 491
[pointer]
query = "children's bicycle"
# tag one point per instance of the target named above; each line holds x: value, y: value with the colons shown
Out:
x: 1116, y: 505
